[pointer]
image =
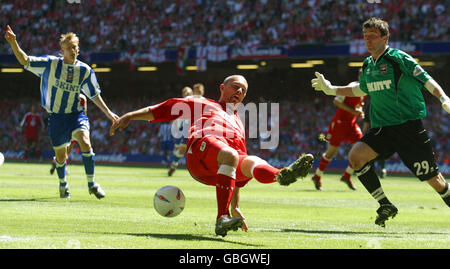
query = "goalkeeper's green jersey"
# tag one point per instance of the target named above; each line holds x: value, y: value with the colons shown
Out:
x: 394, y: 83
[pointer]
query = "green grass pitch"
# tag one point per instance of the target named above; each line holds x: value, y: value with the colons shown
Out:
x: 32, y: 216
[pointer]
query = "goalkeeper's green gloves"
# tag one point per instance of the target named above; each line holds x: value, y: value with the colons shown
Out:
x: 321, y: 84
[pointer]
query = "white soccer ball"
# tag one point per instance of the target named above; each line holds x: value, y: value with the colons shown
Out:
x: 169, y: 201
x: 2, y: 158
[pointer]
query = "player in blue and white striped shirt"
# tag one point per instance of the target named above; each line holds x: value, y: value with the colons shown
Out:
x: 182, y: 125
x: 62, y: 81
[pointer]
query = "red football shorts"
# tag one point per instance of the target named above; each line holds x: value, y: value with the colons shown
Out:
x: 343, y: 131
x: 201, y: 160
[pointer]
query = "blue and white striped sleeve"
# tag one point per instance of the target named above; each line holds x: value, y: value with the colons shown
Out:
x: 90, y: 86
x: 37, y: 65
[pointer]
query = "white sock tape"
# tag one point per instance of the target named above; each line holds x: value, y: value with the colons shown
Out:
x: 227, y: 170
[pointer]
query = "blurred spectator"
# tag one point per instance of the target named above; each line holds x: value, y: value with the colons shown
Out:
x: 120, y: 25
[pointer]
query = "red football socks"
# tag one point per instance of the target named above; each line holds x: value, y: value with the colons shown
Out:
x: 224, y: 191
x: 265, y: 173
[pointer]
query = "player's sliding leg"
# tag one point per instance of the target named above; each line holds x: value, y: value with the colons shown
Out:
x: 227, y: 159
x: 87, y: 153
x: 298, y: 169
x: 255, y: 167
x: 347, y: 177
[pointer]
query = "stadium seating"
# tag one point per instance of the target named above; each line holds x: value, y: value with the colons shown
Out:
x: 119, y: 25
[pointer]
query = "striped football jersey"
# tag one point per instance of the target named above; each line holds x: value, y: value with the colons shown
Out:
x: 62, y: 83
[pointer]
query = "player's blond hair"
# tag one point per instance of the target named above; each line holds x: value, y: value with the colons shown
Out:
x: 199, y: 89
x: 186, y: 91
x: 377, y: 23
x: 68, y: 37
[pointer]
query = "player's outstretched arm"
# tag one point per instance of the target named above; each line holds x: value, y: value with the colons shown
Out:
x: 319, y: 83
x: 121, y: 123
x: 98, y: 101
x: 21, y: 56
x: 236, y: 211
x: 435, y: 89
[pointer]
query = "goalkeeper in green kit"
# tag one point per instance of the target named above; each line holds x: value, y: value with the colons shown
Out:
x: 393, y: 80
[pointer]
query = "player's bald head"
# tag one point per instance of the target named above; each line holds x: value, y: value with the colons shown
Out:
x: 235, y: 78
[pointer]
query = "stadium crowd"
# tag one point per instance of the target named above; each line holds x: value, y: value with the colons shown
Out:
x: 120, y: 25
x: 300, y: 125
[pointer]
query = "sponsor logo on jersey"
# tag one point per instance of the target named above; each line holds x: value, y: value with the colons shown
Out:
x: 66, y: 86
x: 379, y: 85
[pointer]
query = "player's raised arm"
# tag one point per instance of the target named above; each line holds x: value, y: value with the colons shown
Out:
x: 141, y: 114
x: 321, y: 84
x: 21, y: 56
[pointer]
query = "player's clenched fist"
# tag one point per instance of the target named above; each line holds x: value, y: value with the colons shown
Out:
x: 9, y: 35
x: 321, y: 84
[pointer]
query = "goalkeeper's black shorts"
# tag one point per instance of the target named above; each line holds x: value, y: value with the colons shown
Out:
x: 411, y: 142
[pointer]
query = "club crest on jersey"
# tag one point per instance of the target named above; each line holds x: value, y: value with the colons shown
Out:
x: 383, y: 68
x: 70, y: 72
x: 418, y: 70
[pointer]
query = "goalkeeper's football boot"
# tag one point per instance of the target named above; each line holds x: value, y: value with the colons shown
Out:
x: 299, y: 168
x: 97, y: 191
x: 317, y: 182
x: 385, y: 212
x: 349, y: 183
x: 226, y: 223
x: 64, y: 191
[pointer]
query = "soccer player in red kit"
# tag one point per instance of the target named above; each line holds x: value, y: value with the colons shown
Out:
x: 343, y: 128
x: 33, y: 123
x: 217, y: 153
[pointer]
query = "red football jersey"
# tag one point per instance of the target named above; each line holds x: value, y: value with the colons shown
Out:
x: 207, y: 118
x: 352, y: 102
x: 32, y: 124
